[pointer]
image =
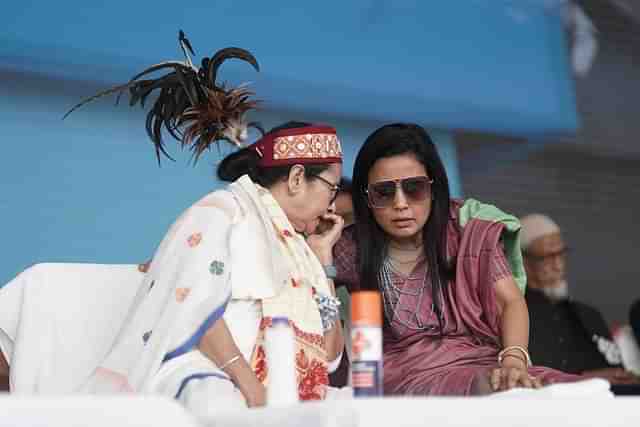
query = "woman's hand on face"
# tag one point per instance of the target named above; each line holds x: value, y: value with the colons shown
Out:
x: 323, y: 240
x: 511, y: 375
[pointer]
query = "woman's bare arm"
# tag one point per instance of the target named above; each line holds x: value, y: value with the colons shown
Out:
x: 218, y: 345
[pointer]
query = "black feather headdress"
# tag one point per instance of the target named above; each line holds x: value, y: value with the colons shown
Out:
x: 191, y: 105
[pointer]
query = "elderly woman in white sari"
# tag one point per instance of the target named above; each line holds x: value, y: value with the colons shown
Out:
x: 233, y: 261
x: 230, y: 263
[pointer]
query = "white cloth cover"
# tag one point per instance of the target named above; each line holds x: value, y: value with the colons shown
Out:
x: 93, y: 411
x: 50, y: 310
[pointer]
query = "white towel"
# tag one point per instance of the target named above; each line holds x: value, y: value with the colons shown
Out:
x: 591, y: 388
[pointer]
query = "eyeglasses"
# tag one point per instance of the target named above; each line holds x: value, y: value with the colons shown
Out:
x: 382, y: 194
x: 332, y: 187
x: 542, y: 259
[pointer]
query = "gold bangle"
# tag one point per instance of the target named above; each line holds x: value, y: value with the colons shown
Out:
x: 522, y: 359
x: 229, y: 362
x: 521, y: 349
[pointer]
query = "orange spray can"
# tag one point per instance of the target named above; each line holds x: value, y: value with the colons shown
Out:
x: 366, y: 343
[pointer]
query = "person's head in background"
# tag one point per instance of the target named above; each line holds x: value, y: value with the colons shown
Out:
x: 344, y: 201
x: 544, y: 252
x: 342, y: 206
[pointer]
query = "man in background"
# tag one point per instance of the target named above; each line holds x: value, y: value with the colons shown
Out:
x: 564, y: 334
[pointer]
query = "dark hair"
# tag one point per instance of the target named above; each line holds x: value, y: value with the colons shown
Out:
x: 346, y: 185
x: 388, y: 141
x: 245, y: 162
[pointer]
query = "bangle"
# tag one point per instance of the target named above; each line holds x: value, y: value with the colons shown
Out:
x: 229, y: 362
x: 522, y: 359
x: 330, y: 271
x: 521, y: 349
x: 329, y: 308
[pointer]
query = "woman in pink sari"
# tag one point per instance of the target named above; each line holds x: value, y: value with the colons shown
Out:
x: 450, y: 273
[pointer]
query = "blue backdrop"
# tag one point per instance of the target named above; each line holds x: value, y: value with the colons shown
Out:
x: 88, y: 188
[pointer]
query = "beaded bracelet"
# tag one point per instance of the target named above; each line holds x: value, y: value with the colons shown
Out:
x: 329, y: 308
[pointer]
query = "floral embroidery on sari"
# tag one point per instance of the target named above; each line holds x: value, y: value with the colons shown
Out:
x: 313, y: 377
x: 216, y: 267
x: 311, y: 367
x: 118, y: 381
x: 194, y: 240
x: 260, y: 364
x: 182, y: 294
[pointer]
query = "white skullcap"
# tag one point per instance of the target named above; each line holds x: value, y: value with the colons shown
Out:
x: 535, y: 226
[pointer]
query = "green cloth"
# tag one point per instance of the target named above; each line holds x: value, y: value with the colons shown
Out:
x: 473, y: 209
x: 345, y: 303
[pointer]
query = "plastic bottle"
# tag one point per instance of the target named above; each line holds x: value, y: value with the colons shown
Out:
x: 629, y: 349
x: 282, y: 387
x: 366, y: 344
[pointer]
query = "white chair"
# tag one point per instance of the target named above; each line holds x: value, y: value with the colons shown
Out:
x: 48, y: 306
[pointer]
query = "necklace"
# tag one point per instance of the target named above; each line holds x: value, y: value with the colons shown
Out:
x: 396, y: 294
x: 396, y: 260
x: 404, y: 249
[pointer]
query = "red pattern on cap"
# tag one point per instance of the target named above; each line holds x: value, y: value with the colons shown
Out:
x: 305, y: 145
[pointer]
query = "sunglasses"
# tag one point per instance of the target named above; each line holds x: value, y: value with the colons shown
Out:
x: 382, y: 194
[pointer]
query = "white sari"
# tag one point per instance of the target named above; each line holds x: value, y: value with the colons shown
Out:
x: 231, y: 254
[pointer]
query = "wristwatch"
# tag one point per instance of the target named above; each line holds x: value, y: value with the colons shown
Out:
x: 330, y: 271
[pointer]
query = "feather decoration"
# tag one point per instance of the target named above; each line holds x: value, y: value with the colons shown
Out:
x: 190, y: 98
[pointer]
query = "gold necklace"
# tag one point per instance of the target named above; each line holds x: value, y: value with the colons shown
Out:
x: 401, y: 249
x: 396, y: 260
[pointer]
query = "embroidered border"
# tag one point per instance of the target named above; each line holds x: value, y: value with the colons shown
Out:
x: 312, y: 146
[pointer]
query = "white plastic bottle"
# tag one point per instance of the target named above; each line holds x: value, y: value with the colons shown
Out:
x: 282, y: 387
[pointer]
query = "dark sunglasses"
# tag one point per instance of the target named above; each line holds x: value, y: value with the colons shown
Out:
x: 332, y: 187
x: 382, y: 194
